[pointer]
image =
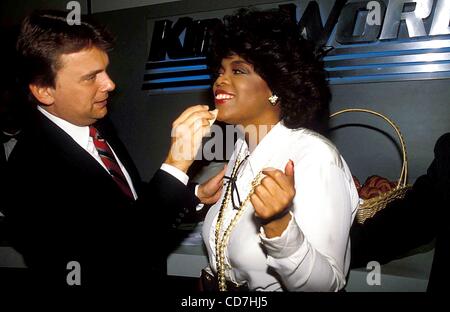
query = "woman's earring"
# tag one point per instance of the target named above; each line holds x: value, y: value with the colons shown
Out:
x: 273, y: 100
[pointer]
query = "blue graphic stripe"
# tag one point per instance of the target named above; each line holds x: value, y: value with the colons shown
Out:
x: 349, y: 56
x: 380, y: 66
x: 175, y: 79
x: 388, y: 77
x: 160, y: 70
x: 180, y: 89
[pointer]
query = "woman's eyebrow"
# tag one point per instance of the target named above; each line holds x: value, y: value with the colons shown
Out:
x: 240, y: 62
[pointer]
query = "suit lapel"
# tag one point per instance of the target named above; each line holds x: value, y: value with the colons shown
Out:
x: 71, y: 153
x: 2, y: 157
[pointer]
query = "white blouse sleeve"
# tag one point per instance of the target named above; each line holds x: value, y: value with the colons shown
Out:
x: 310, y: 254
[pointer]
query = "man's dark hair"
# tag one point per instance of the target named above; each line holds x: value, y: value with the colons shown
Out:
x: 272, y: 43
x: 46, y: 35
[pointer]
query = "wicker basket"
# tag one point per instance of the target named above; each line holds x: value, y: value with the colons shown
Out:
x: 369, y: 207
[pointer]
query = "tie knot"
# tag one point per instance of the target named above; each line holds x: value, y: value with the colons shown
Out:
x: 94, y: 133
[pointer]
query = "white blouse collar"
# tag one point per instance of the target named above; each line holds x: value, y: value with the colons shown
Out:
x: 267, y: 147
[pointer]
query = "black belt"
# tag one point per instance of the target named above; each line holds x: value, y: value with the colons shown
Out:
x: 210, y: 283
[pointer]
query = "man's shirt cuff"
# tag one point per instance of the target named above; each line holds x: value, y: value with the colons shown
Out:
x: 177, y: 173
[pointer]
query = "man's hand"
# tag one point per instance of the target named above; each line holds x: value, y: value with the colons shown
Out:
x: 187, y: 133
x: 272, y: 197
x: 210, y: 191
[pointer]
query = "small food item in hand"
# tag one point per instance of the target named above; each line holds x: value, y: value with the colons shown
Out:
x: 214, y: 112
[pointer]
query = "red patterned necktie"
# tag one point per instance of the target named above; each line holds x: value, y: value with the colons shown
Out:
x: 108, y: 159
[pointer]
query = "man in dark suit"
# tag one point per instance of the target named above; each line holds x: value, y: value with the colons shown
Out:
x: 79, y: 213
x: 418, y: 218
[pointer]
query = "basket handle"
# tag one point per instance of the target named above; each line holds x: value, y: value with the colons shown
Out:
x: 404, y: 172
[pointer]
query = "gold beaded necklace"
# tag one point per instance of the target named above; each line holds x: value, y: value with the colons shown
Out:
x: 221, y: 244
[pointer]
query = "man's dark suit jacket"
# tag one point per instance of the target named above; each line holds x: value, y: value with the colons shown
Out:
x: 408, y: 223
x: 66, y: 208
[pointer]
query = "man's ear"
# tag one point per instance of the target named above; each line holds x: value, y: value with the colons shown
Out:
x: 43, y: 94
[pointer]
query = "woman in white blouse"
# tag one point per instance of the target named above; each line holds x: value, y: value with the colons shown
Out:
x: 283, y: 220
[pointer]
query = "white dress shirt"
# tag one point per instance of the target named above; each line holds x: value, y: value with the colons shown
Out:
x: 81, y: 136
x: 313, y: 253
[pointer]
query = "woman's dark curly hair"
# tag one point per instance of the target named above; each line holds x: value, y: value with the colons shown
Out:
x: 272, y: 43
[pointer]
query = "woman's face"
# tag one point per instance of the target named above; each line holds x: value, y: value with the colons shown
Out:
x: 241, y: 95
